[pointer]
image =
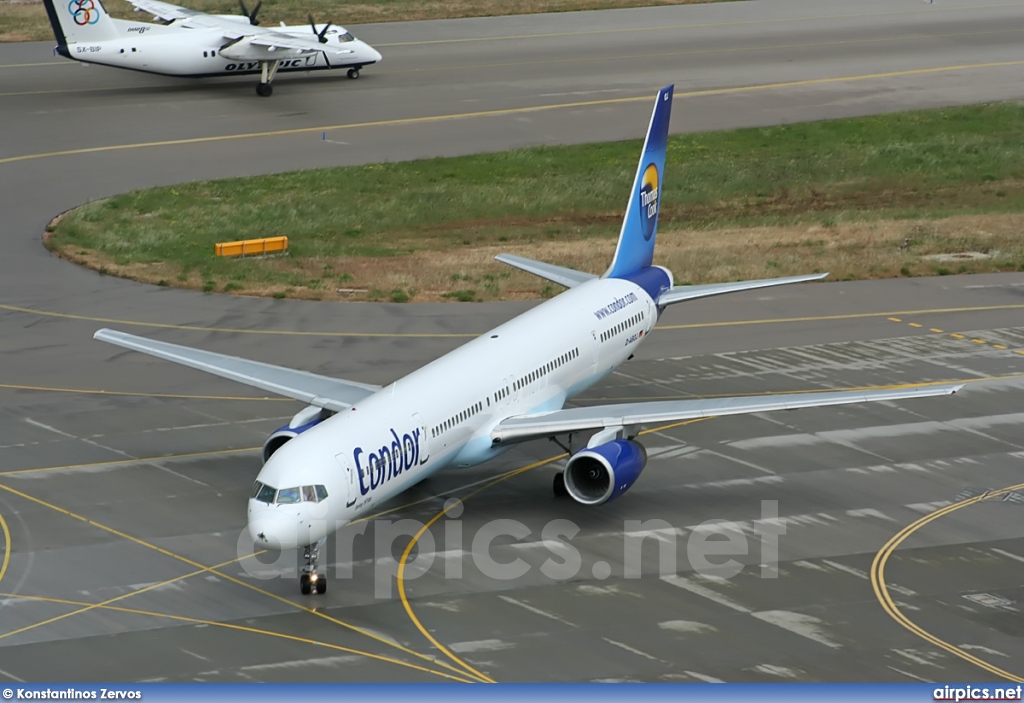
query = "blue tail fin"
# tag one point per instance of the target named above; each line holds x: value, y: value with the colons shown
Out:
x: 636, y: 240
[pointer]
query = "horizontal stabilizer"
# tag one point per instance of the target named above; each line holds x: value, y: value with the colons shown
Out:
x: 321, y: 391
x: 556, y: 274
x: 560, y: 422
x: 678, y: 294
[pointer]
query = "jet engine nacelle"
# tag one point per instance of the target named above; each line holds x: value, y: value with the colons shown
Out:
x: 305, y: 419
x: 599, y: 474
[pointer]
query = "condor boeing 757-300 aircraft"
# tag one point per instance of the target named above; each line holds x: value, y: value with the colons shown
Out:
x: 356, y: 446
x: 194, y: 44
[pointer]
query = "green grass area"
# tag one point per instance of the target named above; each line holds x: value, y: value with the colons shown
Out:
x: 25, y: 20
x: 865, y: 197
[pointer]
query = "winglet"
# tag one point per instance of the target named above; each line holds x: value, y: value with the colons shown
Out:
x: 636, y: 239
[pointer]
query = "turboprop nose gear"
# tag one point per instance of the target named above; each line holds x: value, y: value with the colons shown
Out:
x: 268, y: 69
x: 312, y: 580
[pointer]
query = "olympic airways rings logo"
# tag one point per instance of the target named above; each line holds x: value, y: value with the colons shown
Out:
x: 84, y: 12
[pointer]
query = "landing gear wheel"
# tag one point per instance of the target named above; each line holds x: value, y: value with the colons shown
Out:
x: 353, y: 73
x: 264, y: 90
x: 558, y: 486
x: 312, y: 580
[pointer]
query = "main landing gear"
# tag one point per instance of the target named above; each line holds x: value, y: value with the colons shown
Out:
x: 558, y: 485
x: 312, y: 580
x: 268, y: 69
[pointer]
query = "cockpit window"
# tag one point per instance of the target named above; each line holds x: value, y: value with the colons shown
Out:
x: 288, y: 495
x: 321, y: 493
x: 346, y: 37
x: 308, y: 494
x: 266, y: 493
x: 256, y: 488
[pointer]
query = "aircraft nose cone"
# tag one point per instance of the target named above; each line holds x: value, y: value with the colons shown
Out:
x: 271, y: 531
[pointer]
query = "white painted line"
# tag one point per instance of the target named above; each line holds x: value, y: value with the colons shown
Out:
x: 704, y: 592
x: 537, y: 611
x: 632, y: 650
x: 799, y: 624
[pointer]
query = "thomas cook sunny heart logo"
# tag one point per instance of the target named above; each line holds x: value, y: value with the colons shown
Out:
x: 649, y: 201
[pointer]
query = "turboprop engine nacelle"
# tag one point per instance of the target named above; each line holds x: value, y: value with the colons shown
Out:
x: 599, y: 474
x: 306, y: 418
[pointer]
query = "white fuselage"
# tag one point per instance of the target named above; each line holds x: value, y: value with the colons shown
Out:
x: 177, y: 51
x: 442, y: 414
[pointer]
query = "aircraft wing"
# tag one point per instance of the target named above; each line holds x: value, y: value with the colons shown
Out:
x: 557, y: 274
x: 182, y: 15
x: 278, y: 40
x: 678, y: 294
x: 320, y: 391
x: 265, y: 38
x: 559, y: 422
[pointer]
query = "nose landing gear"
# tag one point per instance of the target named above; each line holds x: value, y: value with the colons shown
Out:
x: 312, y: 580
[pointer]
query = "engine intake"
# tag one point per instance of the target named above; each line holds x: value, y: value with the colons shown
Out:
x: 305, y: 419
x: 596, y: 475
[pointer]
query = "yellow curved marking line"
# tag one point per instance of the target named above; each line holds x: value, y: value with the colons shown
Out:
x: 227, y: 330
x: 7, y: 547
x: 509, y: 111
x: 91, y: 606
x: 400, y: 578
x: 30, y: 65
x: 824, y: 318
x: 695, y: 52
x: 230, y: 626
x: 227, y: 577
x: 117, y: 462
x: 430, y: 335
x: 881, y: 589
x: 883, y: 387
x: 134, y: 394
x: 701, y: 25
x: 64, y: 91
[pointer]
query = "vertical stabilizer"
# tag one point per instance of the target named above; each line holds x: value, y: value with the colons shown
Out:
x: 76, y: 21
x: 636, y: 240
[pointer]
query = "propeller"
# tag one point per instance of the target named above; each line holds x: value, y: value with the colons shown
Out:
x: 251, y: 15
x: 322, y: 34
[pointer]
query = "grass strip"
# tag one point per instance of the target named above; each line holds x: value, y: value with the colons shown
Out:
x: 916, y: 193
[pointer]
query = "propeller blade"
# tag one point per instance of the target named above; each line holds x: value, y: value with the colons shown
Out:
x: 322, y: 34
x: 251, y: 15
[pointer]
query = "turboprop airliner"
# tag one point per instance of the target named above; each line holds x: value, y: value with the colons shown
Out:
x: 194, y: 44
x: 356, y: 446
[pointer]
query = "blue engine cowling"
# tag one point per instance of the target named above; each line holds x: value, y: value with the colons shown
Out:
x: 305, y: 419
x: 599, y: 474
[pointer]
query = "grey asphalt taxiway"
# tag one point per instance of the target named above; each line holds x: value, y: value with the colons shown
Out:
x: 899, y: 528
